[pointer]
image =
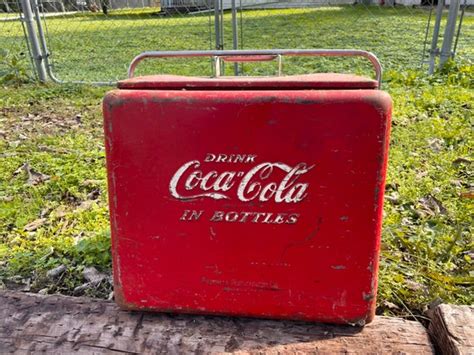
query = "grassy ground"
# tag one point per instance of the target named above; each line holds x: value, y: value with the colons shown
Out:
x: 53, y: 208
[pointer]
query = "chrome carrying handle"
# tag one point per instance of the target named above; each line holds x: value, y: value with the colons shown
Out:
x: 273, y: 53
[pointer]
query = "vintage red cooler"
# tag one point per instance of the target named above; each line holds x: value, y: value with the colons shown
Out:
x: 248, y: 196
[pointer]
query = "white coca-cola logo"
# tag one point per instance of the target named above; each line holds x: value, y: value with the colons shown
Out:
x: 262, y: 182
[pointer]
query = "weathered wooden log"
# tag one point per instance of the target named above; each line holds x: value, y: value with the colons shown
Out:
x: 61, y: 324
x: 452, y: 329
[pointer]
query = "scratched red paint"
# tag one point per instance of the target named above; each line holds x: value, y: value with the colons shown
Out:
x: 256, y: 199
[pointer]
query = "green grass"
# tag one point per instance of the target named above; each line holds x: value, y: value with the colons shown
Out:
x: 9, y: 15
x: 427, y: 234
x: 94, y: 47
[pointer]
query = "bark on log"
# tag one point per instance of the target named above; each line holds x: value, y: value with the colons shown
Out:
x: 61, y: 324
x: 452, y: 329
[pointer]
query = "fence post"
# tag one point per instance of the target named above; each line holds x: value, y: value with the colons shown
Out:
x: 33, y: 39
x: 217, y: 24
x: 235, y: 40
x: 449, y: 32
x: 434, y: 41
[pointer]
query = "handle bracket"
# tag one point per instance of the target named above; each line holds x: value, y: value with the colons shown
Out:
x: 246, y: 58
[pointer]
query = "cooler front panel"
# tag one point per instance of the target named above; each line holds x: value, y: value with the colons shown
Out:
x: 253, y: 203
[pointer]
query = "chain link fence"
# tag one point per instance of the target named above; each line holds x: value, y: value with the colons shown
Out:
x: 15, y: 58
x: 95, y: 40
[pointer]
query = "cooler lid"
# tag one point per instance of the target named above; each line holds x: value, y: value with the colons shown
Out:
x: 320, y: 81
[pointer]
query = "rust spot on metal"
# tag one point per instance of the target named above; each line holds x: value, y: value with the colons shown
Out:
x: 367, y: 296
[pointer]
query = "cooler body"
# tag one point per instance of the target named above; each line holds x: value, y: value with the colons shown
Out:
x: 247, y: 199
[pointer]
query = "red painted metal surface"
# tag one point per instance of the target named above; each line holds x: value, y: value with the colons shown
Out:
x: 295, y: 82
x: 263, y: 203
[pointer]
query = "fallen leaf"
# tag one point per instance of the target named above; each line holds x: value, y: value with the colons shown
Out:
x: 19, y: 170
x: 45, y: 212
x: 17, y: 283
x: 391, y: 187
x: 30, y: 227
x: 59, y: 211
x: 85, y: 205
x: 421, y: 174
x: 391, y: 306
x: 56, y: 272
x: 45, y: 148
x: 78, y: 237
x: 436, y: 144
x: 406, y: 221
x: 462, y: 161
x: 415, y: 286
x: 34, y: 177
x: 28, y: 117
x: 456, y: 183
x: 94, y: 194
x: 430, y: 205
x: 65, y: 225
x: 393, y: 198
x: 93, y: 276
x: 80, y: 289
x: 90, y: 182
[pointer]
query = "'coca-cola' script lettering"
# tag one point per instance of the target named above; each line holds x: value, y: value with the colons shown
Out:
x: 260, y: 183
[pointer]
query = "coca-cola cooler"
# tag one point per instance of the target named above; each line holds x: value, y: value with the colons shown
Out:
x: 248, y: 196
